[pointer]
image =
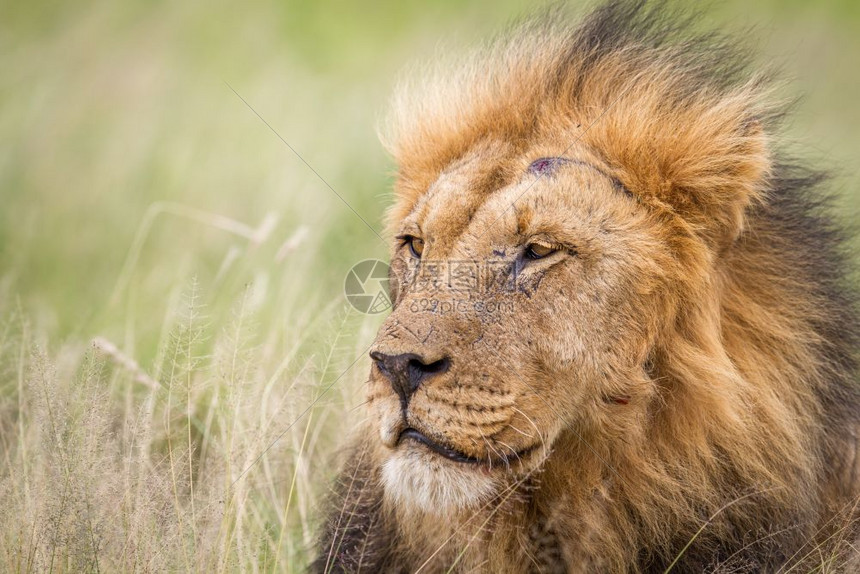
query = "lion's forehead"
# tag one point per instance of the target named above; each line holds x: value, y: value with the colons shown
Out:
x: 448, y: 208
x: 465, y: 207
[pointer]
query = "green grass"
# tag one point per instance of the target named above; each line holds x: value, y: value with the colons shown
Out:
x: 171, y: 272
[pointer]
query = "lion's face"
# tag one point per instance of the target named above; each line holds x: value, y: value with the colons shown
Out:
x: 523, y: 313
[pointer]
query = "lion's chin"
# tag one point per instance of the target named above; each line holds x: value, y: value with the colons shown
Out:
x: 419, y: 479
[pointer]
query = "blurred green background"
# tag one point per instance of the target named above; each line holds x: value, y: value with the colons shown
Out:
x: 107, y: 108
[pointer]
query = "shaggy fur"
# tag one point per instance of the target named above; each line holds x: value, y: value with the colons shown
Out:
x: 672, y: 383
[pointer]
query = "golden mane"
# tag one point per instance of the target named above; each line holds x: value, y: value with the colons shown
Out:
x: 753, y: 404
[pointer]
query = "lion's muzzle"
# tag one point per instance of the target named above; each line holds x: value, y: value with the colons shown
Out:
x: 407, y: 371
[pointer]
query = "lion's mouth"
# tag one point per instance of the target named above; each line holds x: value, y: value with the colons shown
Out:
x: 454, y: 454
x: 440, y: 449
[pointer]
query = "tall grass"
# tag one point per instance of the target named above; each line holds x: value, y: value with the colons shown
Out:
x: 208, y: 463
x: 177, y: 361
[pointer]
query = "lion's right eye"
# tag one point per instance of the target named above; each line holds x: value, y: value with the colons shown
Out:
x: 416, y: 245
x: 539, y: 250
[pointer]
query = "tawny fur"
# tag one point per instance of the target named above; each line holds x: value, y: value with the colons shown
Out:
x: 675, y: 386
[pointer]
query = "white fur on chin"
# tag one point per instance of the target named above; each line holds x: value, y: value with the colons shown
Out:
x: 425, y: 481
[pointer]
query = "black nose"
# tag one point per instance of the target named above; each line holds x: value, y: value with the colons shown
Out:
x: 407, y: 371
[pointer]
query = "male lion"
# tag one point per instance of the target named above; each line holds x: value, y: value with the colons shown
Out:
x: 622, y: 336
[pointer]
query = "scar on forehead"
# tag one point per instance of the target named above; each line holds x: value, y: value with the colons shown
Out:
x: 548, y: 165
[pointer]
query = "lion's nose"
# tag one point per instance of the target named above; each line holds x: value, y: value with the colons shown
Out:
x: 407, y: 371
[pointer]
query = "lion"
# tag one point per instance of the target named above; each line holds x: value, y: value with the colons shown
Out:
x: 623, y: 333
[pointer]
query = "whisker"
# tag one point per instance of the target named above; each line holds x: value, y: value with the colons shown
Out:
x: 537, y: 430
x: 512, y: 449
x: 519, y: 431
x: 490, y: 447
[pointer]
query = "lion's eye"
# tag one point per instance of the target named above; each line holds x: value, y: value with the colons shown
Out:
x: 539, y: 250
x: 416, y: 246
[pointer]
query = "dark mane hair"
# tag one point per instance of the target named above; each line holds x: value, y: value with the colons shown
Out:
x: 759, y: 353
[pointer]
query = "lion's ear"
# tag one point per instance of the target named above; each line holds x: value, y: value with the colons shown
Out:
x: 715, y: 170
x: 705, y: 160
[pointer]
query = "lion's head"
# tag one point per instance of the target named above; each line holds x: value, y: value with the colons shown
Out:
x: 545, y: 247
x: 613, y: 302
x: 528, y: 296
